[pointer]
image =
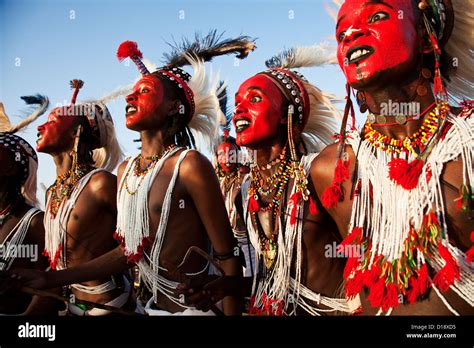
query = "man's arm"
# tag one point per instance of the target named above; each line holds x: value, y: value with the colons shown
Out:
x: 40, y: 305
x: 201, y: 182
x: 112, y: 262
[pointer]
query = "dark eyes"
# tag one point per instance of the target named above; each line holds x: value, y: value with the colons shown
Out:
x: 341, y: 36
x: 378, y: 17
x: 255, y: 99
x: 145, y: 90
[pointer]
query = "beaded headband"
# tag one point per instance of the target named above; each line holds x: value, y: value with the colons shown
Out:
x: 180, y: 78
x: 292, y: 86
x: 21, y: 149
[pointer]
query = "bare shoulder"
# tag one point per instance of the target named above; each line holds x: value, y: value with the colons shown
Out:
x: 102, y: 180
x: 196, y: 165
x: 121, y: 169
x: 323, y: 165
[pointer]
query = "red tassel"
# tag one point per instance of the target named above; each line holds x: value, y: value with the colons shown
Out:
x: 351, y: 264
x: 355, y: 235
x: 253, y: 205
x: 470, y: 252
x: 390, y: 299
x: 226, y: 134
x: 405, y: 174
x: 294, y: 199
x: 331, y: 196
x: 449, y: 273
x: 354, y: 285
x: 376, y: 293
x: 334, y: 194
x: 128, y: 49
x: 341, y: 172
x: 418, y: 285
x: 373, y: 275
x: 423, y: 279
x: 313, y: 209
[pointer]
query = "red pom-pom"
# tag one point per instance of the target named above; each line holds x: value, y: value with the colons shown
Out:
x: 128, y: 49
x: 405, y: 174
x: 253, y: 205
x: 449, y: 273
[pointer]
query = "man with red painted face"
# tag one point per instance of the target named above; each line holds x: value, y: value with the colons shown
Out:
x: 81, y: 139
x: 21, y: 222
x: 285, y: 120
x: 230, y: 171
x: 169, y: 108
x: 397, y: 191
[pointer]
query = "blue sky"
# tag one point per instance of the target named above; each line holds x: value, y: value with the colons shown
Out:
x: 44, y: 44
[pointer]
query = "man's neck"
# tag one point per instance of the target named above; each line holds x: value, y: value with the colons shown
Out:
x: 63, y: 163
x: 153, y: 142
x: 266, y: 154
x: 393, y: 98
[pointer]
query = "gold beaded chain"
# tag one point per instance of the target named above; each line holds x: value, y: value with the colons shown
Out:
x: 137, y: 171
x: 414, y: 143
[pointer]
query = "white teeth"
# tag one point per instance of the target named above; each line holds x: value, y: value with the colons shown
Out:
x: 131, y: 109
x: 241, y: 123
x: 358, y: 53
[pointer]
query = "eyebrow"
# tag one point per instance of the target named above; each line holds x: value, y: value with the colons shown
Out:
x: 339, y: 20
x: 252, y: 88
x: 377, y: 2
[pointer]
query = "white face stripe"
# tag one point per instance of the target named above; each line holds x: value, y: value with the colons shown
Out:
x: 350, y: 31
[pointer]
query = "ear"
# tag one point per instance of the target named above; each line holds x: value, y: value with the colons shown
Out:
x: 175, y: 107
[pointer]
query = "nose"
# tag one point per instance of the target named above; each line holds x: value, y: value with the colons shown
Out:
x: 40, y: 127
x: 352, y: 34
x: 131, y: 97
x: 239, y: 108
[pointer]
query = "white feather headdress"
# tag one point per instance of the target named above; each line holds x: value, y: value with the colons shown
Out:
x: 322, y: 115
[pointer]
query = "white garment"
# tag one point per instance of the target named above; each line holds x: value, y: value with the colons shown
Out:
x: 277, y: 283
x: 117, y: 302
x: 15, y: 238
x: 187, y: 312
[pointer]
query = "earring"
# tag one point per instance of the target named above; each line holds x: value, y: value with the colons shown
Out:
x: 75, y: 150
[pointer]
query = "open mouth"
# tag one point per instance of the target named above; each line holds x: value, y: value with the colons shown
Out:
x: 356, y: 54
x: 40, y: 136
x: 130, y: 109
x: 241, y: 124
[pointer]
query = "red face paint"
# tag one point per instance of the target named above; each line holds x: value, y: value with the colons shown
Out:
x: 145, y: 103
x: 258, y: 110
x: 55, y: 134
x: 227, y: 157
x: 377, y: 40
